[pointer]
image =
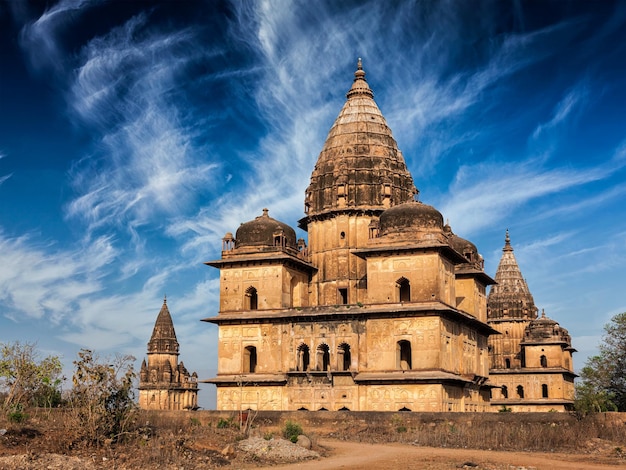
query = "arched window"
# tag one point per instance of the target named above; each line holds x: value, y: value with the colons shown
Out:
x: 544, y: 390
x: 520, y: 391
x: 323, y: 357
x: 404, y: 289
x: 544, y: 361
x: 507, y: 363
x: 403, y: 355
x: 344, y: 358
x: 303, y: 357
x: 252, y: 299
x: 249, y: 359
x: 505, y: 392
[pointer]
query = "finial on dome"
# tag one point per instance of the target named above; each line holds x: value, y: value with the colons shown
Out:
x: 507, y: 242
x: 360, y: 73
x: 164, y: 298
x: 543, y: 313
x: 265, y: 211
x: 360, y: 86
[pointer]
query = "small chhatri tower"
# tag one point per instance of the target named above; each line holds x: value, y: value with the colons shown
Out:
x: 165, y: 384
x: 531, y: 358
x: 384, y: 309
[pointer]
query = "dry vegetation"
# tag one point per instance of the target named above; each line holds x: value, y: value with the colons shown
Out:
x: 209, y: 439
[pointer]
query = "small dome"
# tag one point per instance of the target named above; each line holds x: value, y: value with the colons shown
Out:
x: 261, y: 232
x: 409, y: 217
x: 545, y: 329
x: 464, y: 247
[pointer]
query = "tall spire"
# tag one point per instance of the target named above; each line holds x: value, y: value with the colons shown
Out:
x: 360, y: 166
x: 163, y: 339
x: 510, y: 297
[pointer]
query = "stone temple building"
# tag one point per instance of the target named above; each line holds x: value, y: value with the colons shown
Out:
x: 531, y: 358
x: 384, y: 309
x: 164, y: 383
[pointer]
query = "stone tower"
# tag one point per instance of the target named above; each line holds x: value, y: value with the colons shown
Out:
x: 531, y: 358
x: 510, y: 308
x: 385, y: 309
x: 359, y: 173
x: 165, y: 384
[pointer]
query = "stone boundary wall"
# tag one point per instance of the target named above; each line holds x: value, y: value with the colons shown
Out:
x: 324, y: 422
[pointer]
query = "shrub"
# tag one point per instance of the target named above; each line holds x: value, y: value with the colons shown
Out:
x: 224, y: 423
x: 291, y: 431
x: 16, y: 414
x: 102, y: 399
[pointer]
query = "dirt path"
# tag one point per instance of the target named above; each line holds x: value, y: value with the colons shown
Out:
x: 352, y: 456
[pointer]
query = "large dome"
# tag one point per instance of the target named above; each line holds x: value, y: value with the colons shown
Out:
x: 262, y: 232
x: 410, y: 217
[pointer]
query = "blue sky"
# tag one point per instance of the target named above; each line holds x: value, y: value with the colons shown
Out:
x: 134, y: 135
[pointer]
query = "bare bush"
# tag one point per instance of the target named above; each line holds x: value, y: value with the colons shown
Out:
x: 102, y: 399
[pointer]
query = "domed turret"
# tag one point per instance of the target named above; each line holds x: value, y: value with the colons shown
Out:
x: 464, y: 247
x: 545, y: 330
x: 410, y: 218
x: 265, y: 231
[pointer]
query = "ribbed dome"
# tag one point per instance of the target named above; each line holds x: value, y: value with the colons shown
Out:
x: 261, y: 232
x: 409, y: 218
x: 544, y: 329
x: 360, y: 165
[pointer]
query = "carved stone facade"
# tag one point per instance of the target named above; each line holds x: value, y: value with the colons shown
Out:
x: 531, y: 358
x: 384, y: 309
x: 164, y: 383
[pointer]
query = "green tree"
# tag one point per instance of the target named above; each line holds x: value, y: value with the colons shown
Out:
x: 26, y: 380
x: 102, y: 398
x: 603, y: 386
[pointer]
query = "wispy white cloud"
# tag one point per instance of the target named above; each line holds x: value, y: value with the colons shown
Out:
x: 37, y: 280
x: 483, y: 194
x: 148, y: 163
x: 572, y: 102
x: 3, y: 178
x: 40, y: 39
